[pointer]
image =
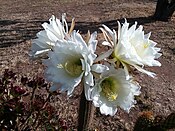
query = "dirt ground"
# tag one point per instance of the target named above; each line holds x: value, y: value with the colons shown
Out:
x: 20, y: 20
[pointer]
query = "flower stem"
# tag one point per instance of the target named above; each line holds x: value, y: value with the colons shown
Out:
x: 86, y: 113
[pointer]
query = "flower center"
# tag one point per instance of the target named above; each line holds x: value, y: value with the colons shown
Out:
x: 73, y: 67
x: 110, y: 88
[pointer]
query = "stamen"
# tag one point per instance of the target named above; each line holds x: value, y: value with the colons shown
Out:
x: 146, y: 45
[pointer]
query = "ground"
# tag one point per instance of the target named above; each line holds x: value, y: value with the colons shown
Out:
x: 20, y: 21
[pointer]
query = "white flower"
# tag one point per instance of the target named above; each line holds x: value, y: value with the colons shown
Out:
x: 70, y: 61
x: 131, y: 47
x: 112, y: 90
x: 47, y: 38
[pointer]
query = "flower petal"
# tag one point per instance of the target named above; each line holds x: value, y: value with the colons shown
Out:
x: 126, y: 71
x: 104, y: 55
x: 144, y: 71
x: 106, y: 43
x: 106, y: 110
x: 89, y: 79
x: 99, y: 68
x: 112, y: 89
x: 88, y: 91
x: 47, y: 38
x: 108, y: 30
x: 54, y: 87
x: 93, y: 42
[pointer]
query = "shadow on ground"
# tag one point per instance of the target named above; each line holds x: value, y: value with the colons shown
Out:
x: 16, y: 31
x: 94, y: 26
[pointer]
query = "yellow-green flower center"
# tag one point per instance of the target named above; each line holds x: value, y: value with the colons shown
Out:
x: 110, y: 88
x: 73, y: 67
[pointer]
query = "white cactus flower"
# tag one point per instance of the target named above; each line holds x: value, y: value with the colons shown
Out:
x: 112, y: 90
x: 131, y: 47
x: 47, y: 38
x: 70, y: 61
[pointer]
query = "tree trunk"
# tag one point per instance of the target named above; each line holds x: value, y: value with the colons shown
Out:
x: 164, y: 10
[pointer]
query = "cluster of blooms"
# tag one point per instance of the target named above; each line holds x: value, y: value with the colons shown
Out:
x: 106, y: 79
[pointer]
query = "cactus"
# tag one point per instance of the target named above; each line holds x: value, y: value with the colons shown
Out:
x: 144, y: 121
x: 147, y: 122
x: 169, y: 122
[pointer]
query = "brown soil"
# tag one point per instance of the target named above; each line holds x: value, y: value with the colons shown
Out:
x: 20, y: 21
